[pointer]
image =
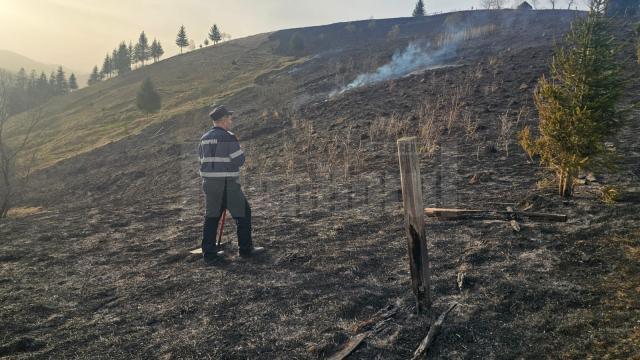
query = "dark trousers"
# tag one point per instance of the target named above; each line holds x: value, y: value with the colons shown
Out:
x: 220, y: 195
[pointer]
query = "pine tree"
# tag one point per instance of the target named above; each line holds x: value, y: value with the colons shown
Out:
x: 73, y: 83
x: 153, y: 50
x: 156, y: 50
x: 577, y: 105
x: 131, y: 53
x: 52, y: 83
x: 106, y: 66
x: 142, y: 48
x: 114, y: 60
x: 214, y: 34
x: 135, y: 57
x: 182, y: 40
x: 33, y: 78
x: 42, y: 82
x: 21, y: 79
x: 16, y: 91
x: 62, y: 87
x: 148, y: 100
x: 32, y: 88
x: 123, y: 60
x: 419, y: 9
x: 160, y: 50
x: 42, y: 87
x: 94, y: 78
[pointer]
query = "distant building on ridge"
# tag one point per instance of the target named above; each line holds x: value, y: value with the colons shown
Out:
x: 525, y: 6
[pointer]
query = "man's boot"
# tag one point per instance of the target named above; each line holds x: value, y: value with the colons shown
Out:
x: 245, y: 253
x: 213, y: 257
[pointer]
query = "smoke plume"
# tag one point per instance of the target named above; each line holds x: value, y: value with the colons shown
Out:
x: 414, y: 57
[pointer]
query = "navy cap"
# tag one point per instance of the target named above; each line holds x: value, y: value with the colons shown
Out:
x: 219, y: 112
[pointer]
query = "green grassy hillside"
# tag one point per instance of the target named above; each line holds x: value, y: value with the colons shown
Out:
x: 94, y: 116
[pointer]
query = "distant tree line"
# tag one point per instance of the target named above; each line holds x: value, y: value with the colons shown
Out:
x: 214, y: 37
x: 124, y: 57
x: 24, y: 92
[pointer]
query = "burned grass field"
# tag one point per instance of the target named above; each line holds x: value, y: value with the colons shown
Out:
x: 100, y: 266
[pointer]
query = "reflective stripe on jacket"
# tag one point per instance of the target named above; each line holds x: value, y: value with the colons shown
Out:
x: 220, y: 154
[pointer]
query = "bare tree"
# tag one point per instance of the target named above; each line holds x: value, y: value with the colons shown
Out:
x: 492, y: 4
x: 15, y: 169
x: 553, y: 3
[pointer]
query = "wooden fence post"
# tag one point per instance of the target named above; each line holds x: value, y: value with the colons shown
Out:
x: 414, y: 222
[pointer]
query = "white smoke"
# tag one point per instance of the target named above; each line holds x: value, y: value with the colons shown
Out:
x: 414, y: 57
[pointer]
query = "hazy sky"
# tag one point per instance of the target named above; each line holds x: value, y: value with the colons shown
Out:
x: 78, y: 33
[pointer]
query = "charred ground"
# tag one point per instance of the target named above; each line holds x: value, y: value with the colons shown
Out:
x: 103, y: 270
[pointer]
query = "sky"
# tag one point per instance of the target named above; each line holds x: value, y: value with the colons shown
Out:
x: 79, y: 33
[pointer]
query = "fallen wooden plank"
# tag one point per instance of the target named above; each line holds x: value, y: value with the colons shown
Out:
x: 461, y: 214
x: 431, y: 335
x: 351, y: 345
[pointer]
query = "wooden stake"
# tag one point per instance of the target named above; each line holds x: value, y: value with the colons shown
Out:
x: 414, y: 222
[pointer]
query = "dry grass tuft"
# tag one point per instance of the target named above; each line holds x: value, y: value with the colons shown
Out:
x: 609, y: 194
x: 429, y: 129
x: 20, y: 212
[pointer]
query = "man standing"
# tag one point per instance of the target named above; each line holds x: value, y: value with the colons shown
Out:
x: 221, y: 157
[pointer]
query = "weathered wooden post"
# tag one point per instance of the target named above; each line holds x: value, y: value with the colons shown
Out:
x: 414, y: 222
